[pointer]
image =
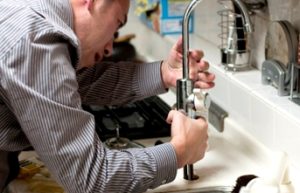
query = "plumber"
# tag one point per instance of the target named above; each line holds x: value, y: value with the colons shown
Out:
x: 47, y: 64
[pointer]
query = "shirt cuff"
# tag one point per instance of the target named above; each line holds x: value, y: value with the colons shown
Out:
x: 166, y: 160
x: 149, y: 79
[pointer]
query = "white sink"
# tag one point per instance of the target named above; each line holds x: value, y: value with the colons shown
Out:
x: 231, y: 154
x: 214, y: 189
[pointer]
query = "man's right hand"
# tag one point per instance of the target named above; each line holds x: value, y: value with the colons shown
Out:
x: 188, y: 136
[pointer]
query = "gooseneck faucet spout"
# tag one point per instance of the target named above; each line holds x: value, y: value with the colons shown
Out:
x: 192, y: 101
x: 185, y: 36
x: 247, y: 22
x: 188, y: 99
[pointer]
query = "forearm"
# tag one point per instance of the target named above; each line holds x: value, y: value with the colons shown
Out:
x: 119, y: 83
x: 64, y: 137
x: 137, y: 169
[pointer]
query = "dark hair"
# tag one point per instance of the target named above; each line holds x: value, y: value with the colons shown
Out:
x: 153, y: 10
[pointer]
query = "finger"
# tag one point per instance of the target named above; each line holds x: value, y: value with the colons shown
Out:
x: 203, y: 76
x: 204, y: 85
x: 202, y: 121
x: 196, y: 68
x: 178, y: 45
x: 196, y: 55
x: 206, y: 77
x: 203, y: 65
x: 170, y: 116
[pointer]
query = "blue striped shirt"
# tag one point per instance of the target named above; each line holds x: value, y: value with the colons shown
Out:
x: 41, y: 94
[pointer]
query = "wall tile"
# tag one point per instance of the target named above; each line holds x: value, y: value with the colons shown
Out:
x: 239, y: 102
x: 287, y: 136
x: 207, y: 19
x: 262, y: 118
x: 220, y: 93
x: 249, y: 79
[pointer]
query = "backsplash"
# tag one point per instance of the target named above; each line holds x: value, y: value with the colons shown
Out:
x: 273, y: 120
x: 208, y: 21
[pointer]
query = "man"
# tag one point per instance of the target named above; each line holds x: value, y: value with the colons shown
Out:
x: 48, y: 52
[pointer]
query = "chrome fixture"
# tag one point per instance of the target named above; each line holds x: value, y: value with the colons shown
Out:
x: 295, y: 93
x: 235, y: 29
x: 256, y: 5
x: 295, y: 75
x: 194, y: 102
x: 280, y: 69
x: 210, y: 189
x: 273, y: 74
x: 217, y: 116
x: 295, y: 86
x: 247, y: 22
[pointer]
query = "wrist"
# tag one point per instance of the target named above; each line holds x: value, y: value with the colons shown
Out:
x: 163, y: 71
x: 180, y: 155
x: 169, y: 74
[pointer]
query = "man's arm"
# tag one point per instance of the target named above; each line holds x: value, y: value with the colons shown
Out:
x: 119, y: 83
x: 42, y: 91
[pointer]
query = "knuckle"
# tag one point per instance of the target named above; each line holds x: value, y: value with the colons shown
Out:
x: 202, y: 155
x: 203, y: 123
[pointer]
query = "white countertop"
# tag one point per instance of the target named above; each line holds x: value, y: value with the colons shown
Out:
x: 231, y: 154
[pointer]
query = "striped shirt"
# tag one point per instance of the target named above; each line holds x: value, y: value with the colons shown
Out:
x: 41, y: 95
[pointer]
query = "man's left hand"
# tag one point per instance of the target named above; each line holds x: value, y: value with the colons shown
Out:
x: 172, y: 68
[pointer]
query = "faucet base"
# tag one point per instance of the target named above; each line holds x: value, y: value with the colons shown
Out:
x: 237, y: 61
x: 189, y: 173
x: 236, y: 68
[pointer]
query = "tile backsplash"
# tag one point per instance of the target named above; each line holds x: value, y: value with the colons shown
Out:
x: 273, y: 120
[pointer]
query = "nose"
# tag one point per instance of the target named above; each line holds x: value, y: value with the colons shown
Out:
x: 108, y: 48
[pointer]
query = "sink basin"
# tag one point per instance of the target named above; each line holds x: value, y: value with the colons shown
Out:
x: 215, y: 189
x: 231, y: 154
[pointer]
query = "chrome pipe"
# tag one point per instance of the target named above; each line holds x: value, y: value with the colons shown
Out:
x: 246, y: 17
x: 185, y: 37
x: 185, y: 85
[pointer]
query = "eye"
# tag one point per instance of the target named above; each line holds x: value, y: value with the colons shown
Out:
x: 116, y: 35
x: 122, y: 21
x: 120, y: 24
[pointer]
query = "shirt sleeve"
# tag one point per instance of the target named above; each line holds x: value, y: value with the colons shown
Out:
x: 40, y: 84
x: 119, y: 83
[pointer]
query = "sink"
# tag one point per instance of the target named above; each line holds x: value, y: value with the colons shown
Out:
x: 231, y: 154
x: 214, y: 189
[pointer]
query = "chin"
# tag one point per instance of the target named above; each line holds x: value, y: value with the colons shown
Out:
x: 86, y: 64
x: 90, y: 64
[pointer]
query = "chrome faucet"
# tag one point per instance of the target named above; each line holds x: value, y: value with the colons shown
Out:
x: 195, y: 102
x: 245, y: 14
x: 236, y: 55
x: 190, y: 100
x: 185, y: 29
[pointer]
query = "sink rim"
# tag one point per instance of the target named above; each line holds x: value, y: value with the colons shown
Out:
x: 225, y: 189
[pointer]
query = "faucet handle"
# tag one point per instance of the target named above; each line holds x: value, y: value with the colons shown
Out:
x: 201, y: 101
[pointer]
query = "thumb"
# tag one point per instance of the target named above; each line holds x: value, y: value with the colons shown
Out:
x: 170, y: 116
x: 178, y: 46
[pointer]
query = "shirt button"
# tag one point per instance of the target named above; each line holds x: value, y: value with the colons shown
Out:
x: 164, y: 181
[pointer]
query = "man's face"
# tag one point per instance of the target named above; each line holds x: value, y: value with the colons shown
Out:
x: 95, y: 25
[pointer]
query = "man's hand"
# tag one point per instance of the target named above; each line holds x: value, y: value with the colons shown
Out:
x: 172, y: 68
x: 189, y: 137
